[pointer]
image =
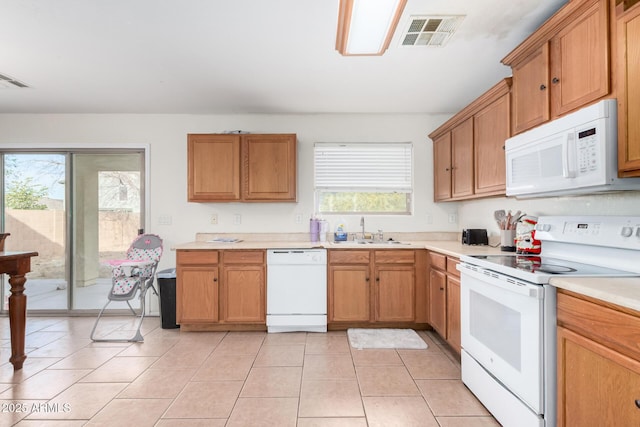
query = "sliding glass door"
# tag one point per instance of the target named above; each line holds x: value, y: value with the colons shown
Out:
x: 78, y: 209
x: 35, y: 215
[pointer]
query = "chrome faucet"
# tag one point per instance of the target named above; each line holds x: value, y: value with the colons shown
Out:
x: 362, y: 225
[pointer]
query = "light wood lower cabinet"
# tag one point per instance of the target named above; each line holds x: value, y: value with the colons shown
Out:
x: 438, y: 301
x: 243, y: 287
x: 197, y: 286
x: 444, y: 298
x: 349, y: 293
x: 221, y: 289
x: 198, y: 294
x: 453, y: 312
x: 369, y: 287
x: 598, y: 363
x: 395, y: 299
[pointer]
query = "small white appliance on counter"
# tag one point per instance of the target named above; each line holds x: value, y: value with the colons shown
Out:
x: 508, y: 311
x: 575, y: 154
x: 297, y: 290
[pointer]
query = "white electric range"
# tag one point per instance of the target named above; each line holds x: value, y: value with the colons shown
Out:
x: 508, y: 311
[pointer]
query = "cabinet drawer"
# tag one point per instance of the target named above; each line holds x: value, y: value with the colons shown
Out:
x: 615, y: 329
x: 243, y: 257
x: 395, y: 257
x: 196, y: 257
x: 348, y: 257
x: 437, y: 260
x: 451, y: 266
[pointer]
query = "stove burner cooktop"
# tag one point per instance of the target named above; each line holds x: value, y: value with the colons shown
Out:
x: 536, y: 266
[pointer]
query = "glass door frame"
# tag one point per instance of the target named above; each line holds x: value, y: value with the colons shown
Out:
x: 67, y: 150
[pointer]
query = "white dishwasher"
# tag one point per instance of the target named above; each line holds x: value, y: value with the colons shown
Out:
x: 296, y: 290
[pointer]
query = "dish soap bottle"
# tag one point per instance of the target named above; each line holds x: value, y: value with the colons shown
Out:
x: 340, y: 235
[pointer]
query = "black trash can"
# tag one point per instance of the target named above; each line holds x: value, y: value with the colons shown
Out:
x: 167, y: 287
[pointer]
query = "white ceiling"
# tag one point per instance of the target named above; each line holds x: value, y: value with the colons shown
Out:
x: 245, y: 56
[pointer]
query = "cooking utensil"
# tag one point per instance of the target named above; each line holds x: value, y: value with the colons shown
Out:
x: 514, y: 219
x: 500, y: 216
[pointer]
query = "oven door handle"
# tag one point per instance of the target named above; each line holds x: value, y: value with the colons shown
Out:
x: 491, y: 278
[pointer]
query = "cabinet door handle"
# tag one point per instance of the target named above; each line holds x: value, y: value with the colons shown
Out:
x: 555, y: 80
x: 638, y: 403
x: 215, y: 279
x: 366, y: 279
x: 377, y: 279
x: 542, y: 87
x: 446, y: 169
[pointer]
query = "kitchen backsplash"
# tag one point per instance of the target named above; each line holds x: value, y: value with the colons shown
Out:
x: 480, y: 213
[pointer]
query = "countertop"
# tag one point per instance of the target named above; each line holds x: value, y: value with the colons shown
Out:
x: 447, y: 247
x: 621, y: 291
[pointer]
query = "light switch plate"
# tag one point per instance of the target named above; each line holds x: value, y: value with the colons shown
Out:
x: 214, y: 219
x: 237, y: 219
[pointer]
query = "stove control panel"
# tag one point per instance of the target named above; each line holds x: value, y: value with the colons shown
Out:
x: 611, y: 231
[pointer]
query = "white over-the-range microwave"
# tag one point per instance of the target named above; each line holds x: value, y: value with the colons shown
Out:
x: 575, y: 154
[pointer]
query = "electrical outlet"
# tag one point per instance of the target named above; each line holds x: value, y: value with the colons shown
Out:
x: 453, y: 218
x: 214, y: 219
x: 299, y: 218
x: 237, y: 219
x: 164, y: 220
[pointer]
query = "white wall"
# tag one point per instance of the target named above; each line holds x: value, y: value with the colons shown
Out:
x: 166, y: 135
x: 479, y: 213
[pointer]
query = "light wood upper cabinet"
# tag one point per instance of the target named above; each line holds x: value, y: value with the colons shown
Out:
x: 468, y: 149
x: 530, y: 90
x: 442, y: 167
x: 249, y: 167
x: 462, y: 159
x: 562, y: 66
x: 580, y: 70
x: 491, y: 127
x: 628, y: 70
x: 269, y: 169
x: 214, y: 167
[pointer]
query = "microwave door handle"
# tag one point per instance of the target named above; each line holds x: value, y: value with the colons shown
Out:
x: 568, y: 158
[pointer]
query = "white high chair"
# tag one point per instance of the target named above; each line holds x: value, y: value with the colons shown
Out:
x: 131, y: 276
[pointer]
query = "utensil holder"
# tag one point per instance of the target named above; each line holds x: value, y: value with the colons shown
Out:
x: 508, y: 240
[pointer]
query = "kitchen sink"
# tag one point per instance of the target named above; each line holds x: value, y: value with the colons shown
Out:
x: 370, y: 242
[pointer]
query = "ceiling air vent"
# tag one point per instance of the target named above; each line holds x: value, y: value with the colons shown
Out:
x: 7, y: 82
x: 430, y: 30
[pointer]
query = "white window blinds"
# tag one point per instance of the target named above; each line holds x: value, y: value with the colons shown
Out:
x: 373, y: 167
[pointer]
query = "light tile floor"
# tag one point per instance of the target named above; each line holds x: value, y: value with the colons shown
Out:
x: 226, y: 379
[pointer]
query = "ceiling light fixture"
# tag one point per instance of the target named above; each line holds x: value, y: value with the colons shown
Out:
x: 365, y: 27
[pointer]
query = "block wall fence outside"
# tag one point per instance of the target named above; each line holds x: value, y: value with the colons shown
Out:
x: 44, y: 231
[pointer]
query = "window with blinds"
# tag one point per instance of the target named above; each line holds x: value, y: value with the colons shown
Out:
x: 363, y: 177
